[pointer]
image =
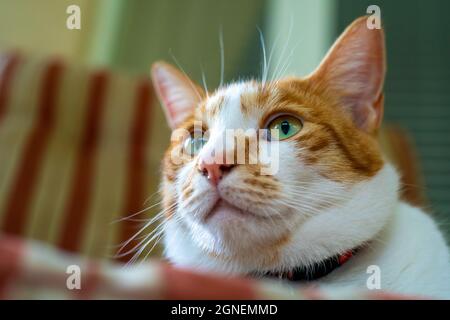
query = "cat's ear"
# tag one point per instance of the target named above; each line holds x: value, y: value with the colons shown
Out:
x: 178, y: 94
x: 354, y: 69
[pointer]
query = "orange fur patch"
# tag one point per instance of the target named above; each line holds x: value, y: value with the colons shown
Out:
x: 329, y: 140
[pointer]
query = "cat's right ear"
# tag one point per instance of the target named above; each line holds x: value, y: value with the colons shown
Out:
x: 178, y: 94
x: 354, y: 70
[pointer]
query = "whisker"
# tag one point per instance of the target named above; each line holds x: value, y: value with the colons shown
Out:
x: 272, y: 50
x: 291, y: 26
x: 156, y: 235
x: 149, y: 223
x: 184, y: 72
x: 156, y: 242
x: 151, y: 196
x: 150, y: 235
x: 222, y: 57
x: 316, y: 195
x: 135, y: 214
x: 288, y: 61
x: 116, y: 246
x: 263, y: 47
x: 205, y: 86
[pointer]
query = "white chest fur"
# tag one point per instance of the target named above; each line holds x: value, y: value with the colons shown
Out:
x: 410, y: 254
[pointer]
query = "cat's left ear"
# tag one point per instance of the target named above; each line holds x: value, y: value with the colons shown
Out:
x: 354, y: 69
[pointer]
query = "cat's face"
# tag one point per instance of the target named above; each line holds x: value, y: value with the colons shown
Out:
x: 231, y: 213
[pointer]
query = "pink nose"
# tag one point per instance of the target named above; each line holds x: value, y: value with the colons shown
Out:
x: 214, y: 172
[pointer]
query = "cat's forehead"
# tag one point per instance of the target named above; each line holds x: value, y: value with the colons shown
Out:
x: 238, y: 105
x: 231, y: 97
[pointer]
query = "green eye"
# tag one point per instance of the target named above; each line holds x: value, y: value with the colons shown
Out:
x: 194, y: 143
x: 286, y: 126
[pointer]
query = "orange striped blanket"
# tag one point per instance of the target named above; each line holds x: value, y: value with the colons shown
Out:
x: 29, y: 270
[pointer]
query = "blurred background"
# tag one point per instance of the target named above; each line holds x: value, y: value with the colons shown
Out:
x: 126, y: 36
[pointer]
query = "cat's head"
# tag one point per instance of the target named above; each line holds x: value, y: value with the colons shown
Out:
x: 331, y: 189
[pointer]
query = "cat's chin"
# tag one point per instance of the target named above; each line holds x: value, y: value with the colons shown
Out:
x: 234, y: 231
x: 224, y: 212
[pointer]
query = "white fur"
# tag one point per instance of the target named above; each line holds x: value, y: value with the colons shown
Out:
x: 410, y: 252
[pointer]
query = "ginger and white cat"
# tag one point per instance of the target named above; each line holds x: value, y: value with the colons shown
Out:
x: 333, y: 192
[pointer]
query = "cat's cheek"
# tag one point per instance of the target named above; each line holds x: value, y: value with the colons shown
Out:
x: 195, y: 195
x: 292, y: 169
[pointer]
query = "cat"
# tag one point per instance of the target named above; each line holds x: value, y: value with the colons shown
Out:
x: 330, y: 212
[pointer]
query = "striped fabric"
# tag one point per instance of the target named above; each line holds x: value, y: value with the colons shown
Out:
x: 80, y: 149
x: 29, y: 270
x: 77, y: 151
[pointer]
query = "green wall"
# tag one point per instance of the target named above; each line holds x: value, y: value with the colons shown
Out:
x: 312, y: 24
x: 149, y: 30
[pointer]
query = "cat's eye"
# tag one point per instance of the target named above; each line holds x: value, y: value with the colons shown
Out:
x: 194, y: 143
x: 286, y: 126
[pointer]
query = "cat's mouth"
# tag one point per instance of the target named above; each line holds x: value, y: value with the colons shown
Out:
x: 223, y: 211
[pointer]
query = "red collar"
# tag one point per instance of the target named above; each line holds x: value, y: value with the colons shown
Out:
x: 315, y: 271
